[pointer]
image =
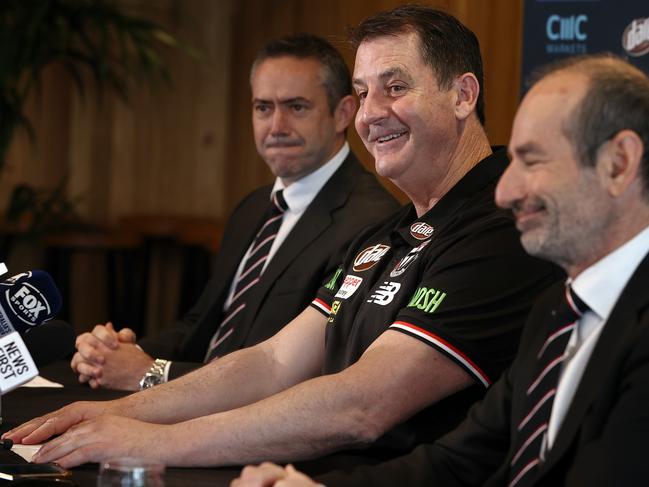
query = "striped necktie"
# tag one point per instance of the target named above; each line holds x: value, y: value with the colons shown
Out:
x: 251, y: 272
x: 531, y: 431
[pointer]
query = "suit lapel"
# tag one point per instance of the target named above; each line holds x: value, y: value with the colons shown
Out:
x: 609, y: 349
x: 243, y: 237
x: 239, y: 237
x: 315, y: 220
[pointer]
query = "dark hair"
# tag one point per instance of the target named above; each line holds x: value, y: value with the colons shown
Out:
x: 336, y: 78
x: 616, y: 98
x: 447, y: 45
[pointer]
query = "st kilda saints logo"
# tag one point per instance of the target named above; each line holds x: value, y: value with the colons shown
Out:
x: 366, y: 258
x: 635, y: 39
x: 421, y: 230
x: 405, y: 262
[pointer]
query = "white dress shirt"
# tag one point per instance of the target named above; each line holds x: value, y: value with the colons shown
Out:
x: 599, y: 286
x: 298, y: 197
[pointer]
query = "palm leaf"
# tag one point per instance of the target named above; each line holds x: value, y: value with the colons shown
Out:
x: 91, y: 37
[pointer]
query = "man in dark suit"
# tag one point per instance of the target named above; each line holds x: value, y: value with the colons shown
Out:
x: 302, y: 106
x: 578, y: 184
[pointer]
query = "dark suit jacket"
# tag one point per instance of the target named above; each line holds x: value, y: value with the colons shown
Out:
x: 350, y: 200
x: 603, y: 437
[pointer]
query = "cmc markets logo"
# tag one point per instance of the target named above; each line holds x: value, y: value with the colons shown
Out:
x: 570, y: 28
x: 369, y: 256
x: 567, y: 34
x: 421, y: 230
x: 27, y: 303
x: 635, y: 39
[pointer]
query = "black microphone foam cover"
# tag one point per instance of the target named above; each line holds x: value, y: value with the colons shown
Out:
x: 27, y: 300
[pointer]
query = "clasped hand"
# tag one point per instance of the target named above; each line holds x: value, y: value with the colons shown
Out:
x: 109, y: 358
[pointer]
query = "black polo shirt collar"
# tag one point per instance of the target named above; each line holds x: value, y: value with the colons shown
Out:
x: 416, y: 230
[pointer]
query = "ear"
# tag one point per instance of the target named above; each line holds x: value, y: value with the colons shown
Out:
x: 619, y: 160
x: 344, y: 113
x: 467, y: 89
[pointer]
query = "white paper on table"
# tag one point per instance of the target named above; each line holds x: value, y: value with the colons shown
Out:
x: 25, y: 451
x: 39, y: 381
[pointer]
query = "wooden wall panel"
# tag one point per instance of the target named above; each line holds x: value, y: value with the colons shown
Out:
x: 42, y: 163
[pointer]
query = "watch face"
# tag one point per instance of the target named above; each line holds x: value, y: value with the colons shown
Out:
x: 151, y: 380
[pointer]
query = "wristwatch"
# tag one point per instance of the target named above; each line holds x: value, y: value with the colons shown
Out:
x: 155, y: 375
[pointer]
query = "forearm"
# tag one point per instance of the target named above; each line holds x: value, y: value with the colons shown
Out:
x: 311, y: 419
x: 346, y: 410
x: 340, y: 411
x: 230, y: 382
x: 243, y: 377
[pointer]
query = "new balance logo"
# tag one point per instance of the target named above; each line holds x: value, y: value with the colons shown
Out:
x: 385, y: 293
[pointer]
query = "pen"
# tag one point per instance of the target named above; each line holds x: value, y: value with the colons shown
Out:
x: 6, y: 444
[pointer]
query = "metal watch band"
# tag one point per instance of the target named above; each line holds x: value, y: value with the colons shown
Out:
x: 155, y: 375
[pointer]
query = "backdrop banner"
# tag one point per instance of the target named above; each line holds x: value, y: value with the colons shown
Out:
x: 554, y: 29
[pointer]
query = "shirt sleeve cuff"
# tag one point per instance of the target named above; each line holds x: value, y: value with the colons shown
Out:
x: 165, y: 376
x: 444, y: 347
x: 321, y: 306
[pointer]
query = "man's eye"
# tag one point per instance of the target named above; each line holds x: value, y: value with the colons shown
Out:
x: 298, y: 107
x: 396, y: 89
x: 532, y: 162
x: 262, y: 108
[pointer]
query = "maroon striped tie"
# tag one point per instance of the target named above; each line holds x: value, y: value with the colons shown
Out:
x: 532, y: 429
x: 250, y: 274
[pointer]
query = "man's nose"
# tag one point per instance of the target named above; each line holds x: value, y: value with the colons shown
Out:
x: 375, y: 107
x: 279, y: 123
x: 510, y: 187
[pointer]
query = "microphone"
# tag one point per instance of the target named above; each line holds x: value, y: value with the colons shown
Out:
x: 27, y: 300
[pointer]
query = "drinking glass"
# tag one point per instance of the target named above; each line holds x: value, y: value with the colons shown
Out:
x: 130, y: 472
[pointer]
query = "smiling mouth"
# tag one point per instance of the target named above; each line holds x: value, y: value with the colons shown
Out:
x: 388, y: 138
x: 529, y: 220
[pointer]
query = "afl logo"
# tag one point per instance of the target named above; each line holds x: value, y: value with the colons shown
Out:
x: 635, y: 39
x: 369, y: 256
x: 421, y: 230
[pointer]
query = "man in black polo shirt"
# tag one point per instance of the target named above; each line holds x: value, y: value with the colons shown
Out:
x: 455, y: 279
x: 423, y: 314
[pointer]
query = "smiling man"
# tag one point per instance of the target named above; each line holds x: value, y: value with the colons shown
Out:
x: 271, y: 260
x: 422, y: 314
x: 573, y: 409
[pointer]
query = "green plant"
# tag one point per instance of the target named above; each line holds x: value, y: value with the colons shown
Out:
x: 91, y: 39
x: 94, y: 36
x: 37, y: 211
